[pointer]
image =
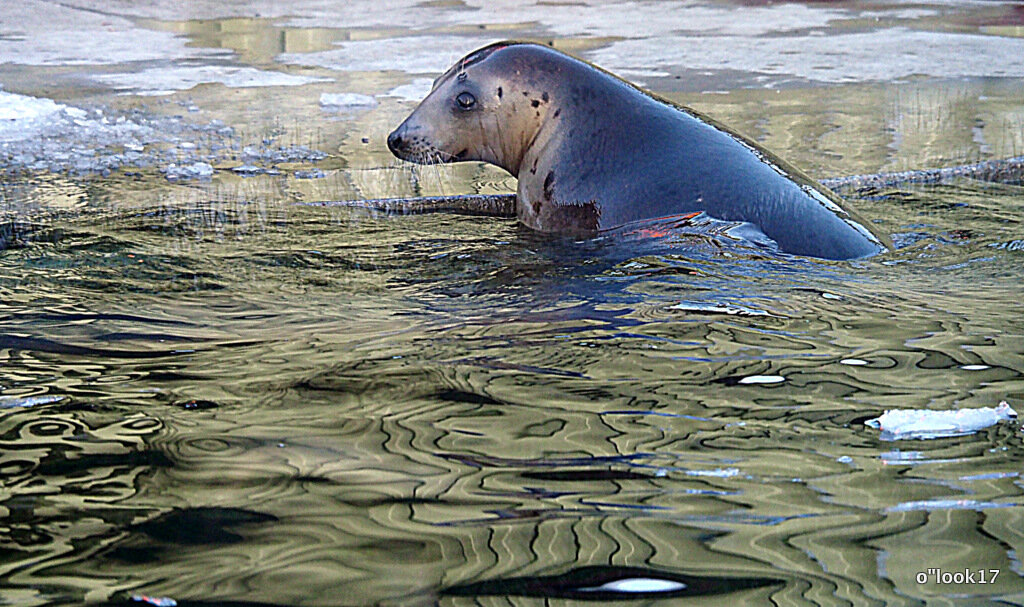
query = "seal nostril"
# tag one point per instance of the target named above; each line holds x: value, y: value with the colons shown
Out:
x: 394, y: 141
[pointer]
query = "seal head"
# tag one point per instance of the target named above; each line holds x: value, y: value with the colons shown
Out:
x: 469, y: 115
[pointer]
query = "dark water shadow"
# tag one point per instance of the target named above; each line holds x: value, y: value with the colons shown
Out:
x: 607, y: 583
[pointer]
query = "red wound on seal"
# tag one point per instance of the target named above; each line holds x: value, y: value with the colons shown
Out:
x: 659, y: 233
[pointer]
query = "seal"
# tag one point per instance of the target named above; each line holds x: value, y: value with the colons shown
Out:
x: 593, y: 152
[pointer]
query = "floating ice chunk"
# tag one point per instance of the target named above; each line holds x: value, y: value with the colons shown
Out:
x: 414, y: 91
x: 167, y: 80
x: 344, y: 101
x: 762, y: 379
x: 855, y: 56
x: 855, y: 362
x: 21, y: 116
x: 974, y: 367
x: 637, y: 584
x: 898, y: 424
x: 196, y: 170
x: 17, y: 402
x: 76, y: 112
x: 409, y: 54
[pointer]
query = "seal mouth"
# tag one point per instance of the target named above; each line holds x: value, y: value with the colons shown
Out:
x: 418, y: 150
x: 426, y: 156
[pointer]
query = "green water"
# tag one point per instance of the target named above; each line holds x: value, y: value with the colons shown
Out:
x: 352, y: 409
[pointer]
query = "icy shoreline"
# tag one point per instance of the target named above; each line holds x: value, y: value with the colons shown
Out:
x: 38, y: 134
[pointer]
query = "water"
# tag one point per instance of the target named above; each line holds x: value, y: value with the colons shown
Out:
x: 215, y: 391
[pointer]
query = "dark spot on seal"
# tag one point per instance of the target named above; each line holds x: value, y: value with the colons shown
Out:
x: 462, y: 154
x: 526, y: 93
x: 535, y: 103
x: 575, y: 218
x: 534, y: 169
x: 548, y: 182
x: 536, y: 207
x: 557, y: 112
x: 499, y: 92
x: 544, y: 96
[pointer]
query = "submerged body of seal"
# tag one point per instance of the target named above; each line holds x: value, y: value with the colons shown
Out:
x: 593, y: 152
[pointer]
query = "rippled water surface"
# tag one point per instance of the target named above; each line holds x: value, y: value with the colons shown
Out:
x: 226, y: 390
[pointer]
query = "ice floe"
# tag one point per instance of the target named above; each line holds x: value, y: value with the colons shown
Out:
x: 170, y: 79
x: 879, y: 55
x: 414, y: 91
x: 347, y: 101
x: 38, y: 32
x: 39, y: 134
x: 899, y: 424
x: 22, y: 116
x: 410, y: 54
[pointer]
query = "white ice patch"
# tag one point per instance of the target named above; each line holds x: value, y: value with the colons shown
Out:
x: 21, y: 116
x: 899, y: 424
x: 414, y: 91
x: 412, y: 54
x: 880, y: 55
x: 853, y: 362
x: 762, y: 379
x: 167, y: 80
x: 564, y: 19
x: 38, y: 32
x: 346, y: 101
x: 637, y: 584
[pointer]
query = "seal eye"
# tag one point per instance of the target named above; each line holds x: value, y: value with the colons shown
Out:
x: 465, y: 100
